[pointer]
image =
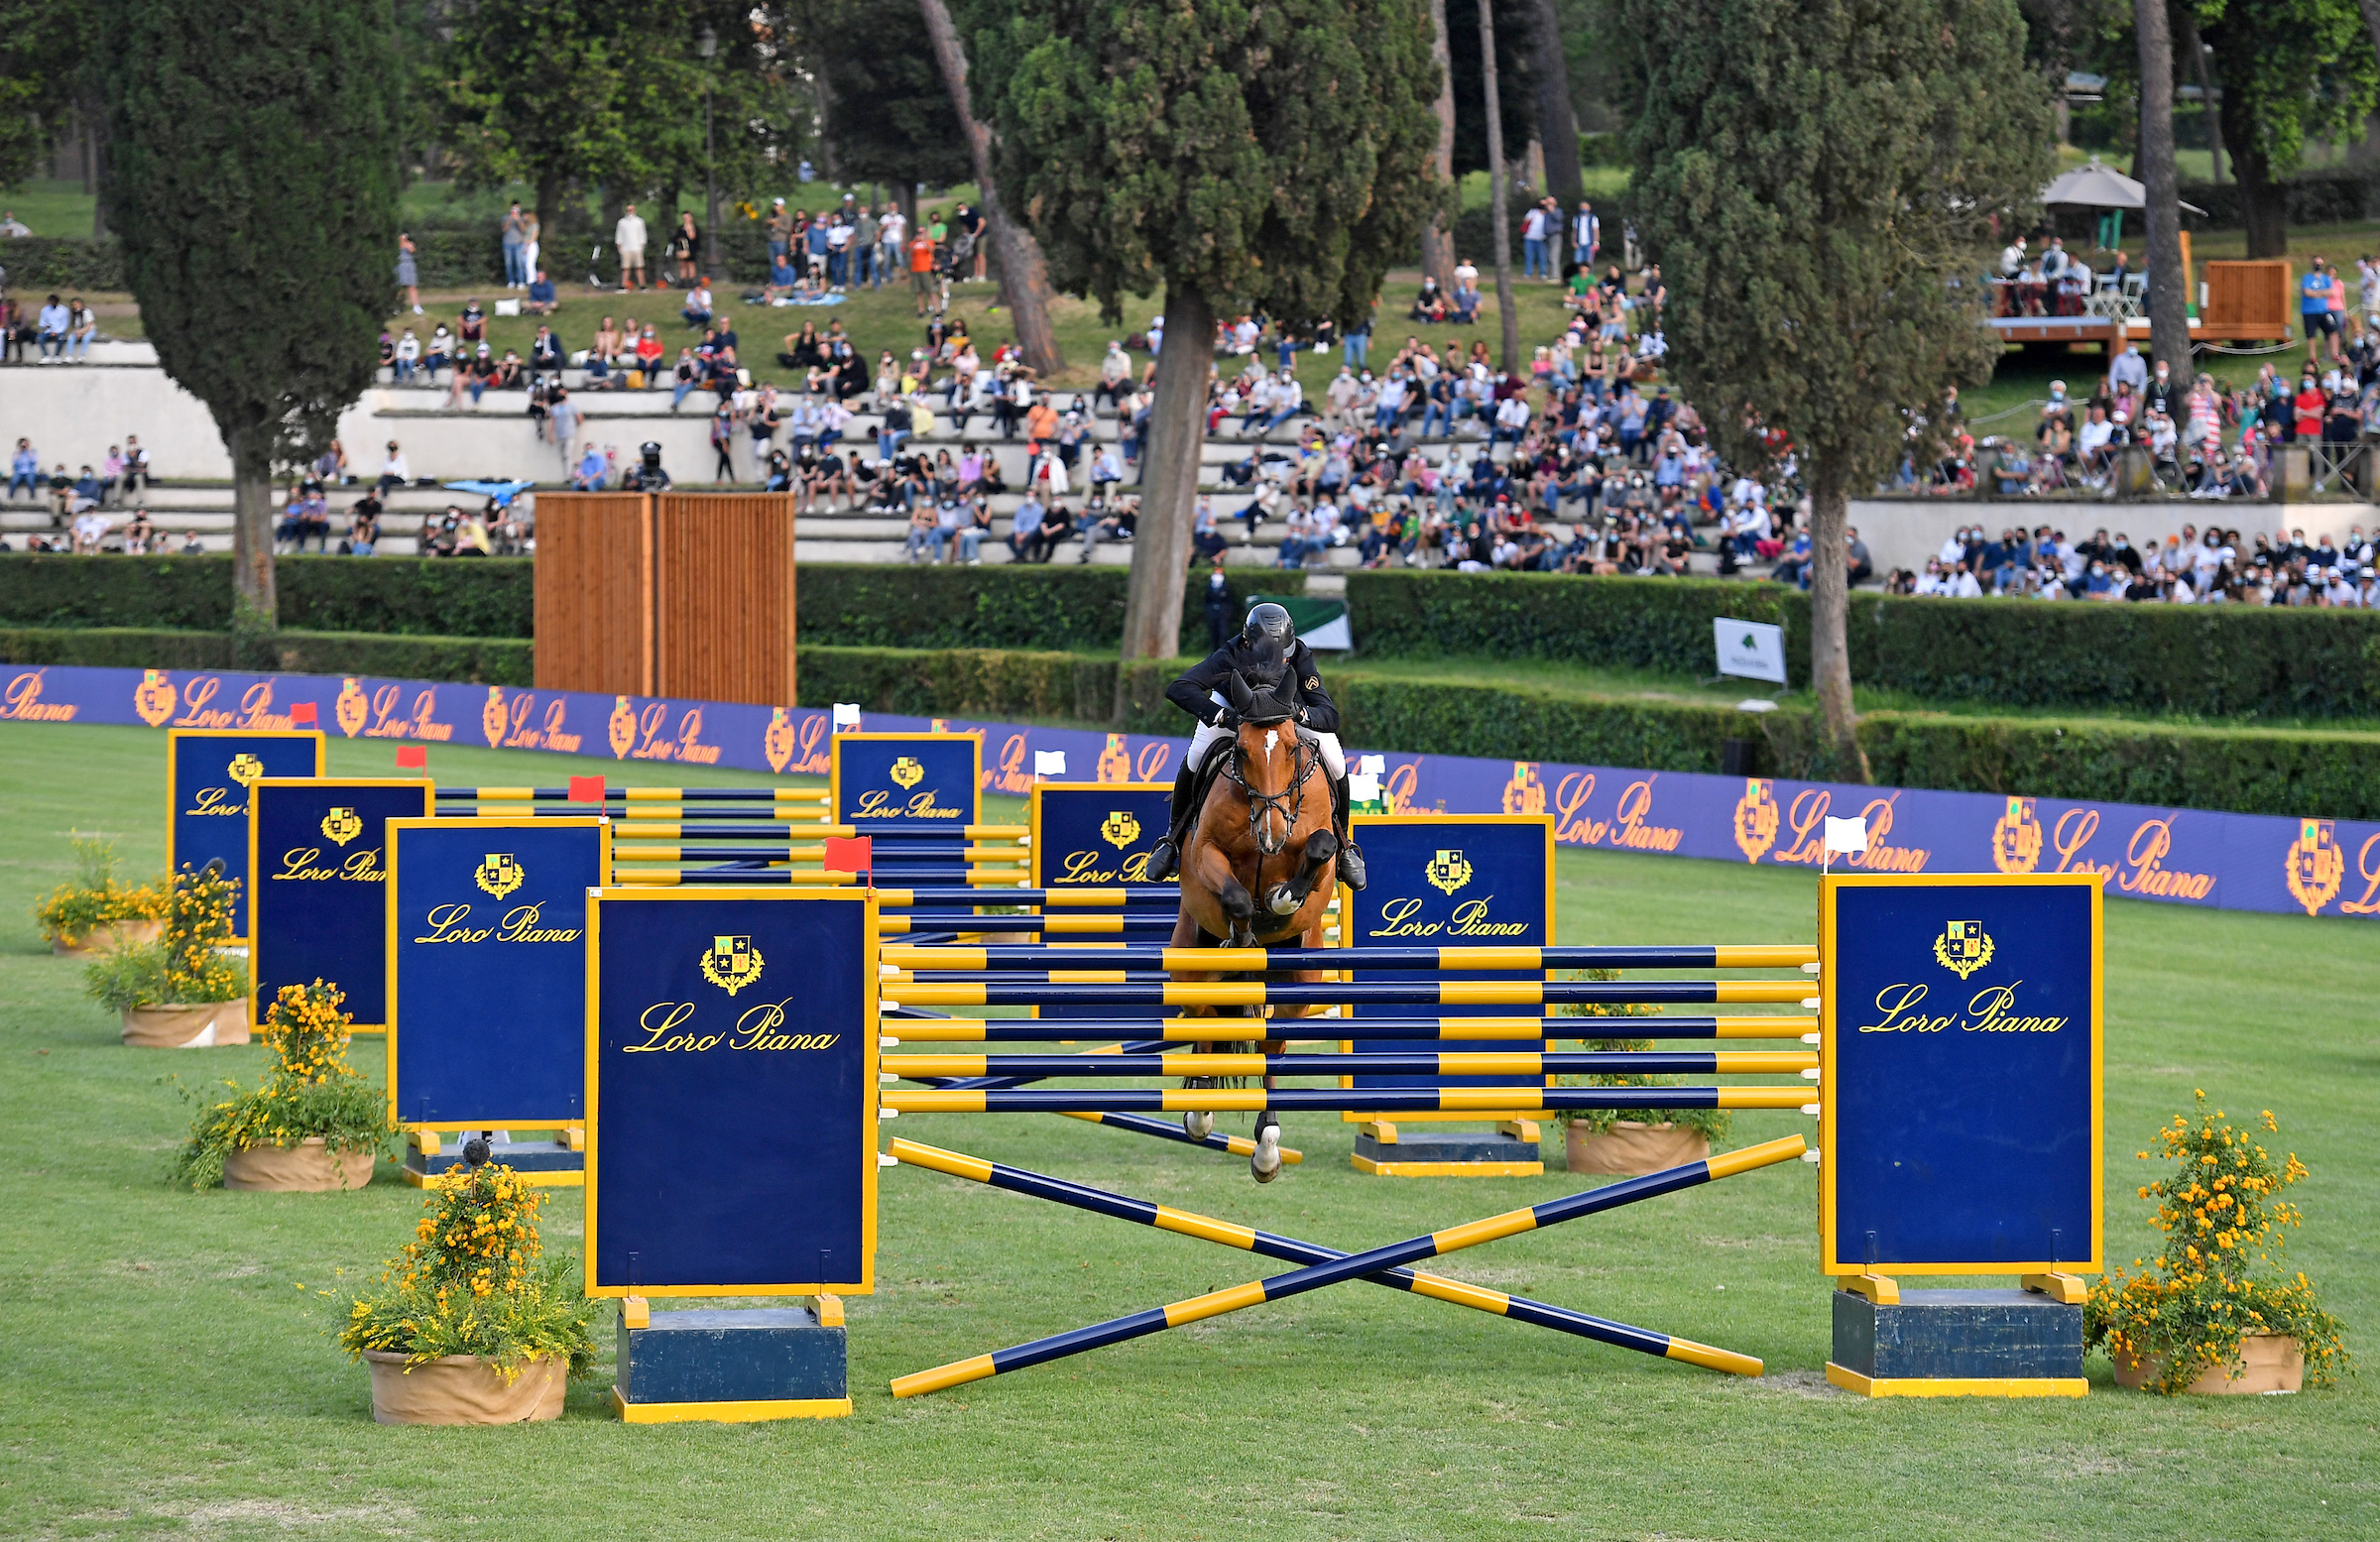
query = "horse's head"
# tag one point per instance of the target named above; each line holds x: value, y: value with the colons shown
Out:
x: 1268, y: 699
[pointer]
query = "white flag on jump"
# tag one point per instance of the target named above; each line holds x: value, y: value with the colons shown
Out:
x: 1049, y: 763
x: 1847, y: 835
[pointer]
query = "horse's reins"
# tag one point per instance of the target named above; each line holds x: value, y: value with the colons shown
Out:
x: 1288, y: 803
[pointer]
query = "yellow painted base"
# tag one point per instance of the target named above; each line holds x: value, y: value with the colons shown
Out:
x: 1957, y: 1386
x: 730, y: 1413
x: 1380, y: 1169
x: 535, y: 1180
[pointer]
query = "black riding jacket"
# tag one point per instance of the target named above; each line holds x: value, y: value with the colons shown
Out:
x: 1302, y: 684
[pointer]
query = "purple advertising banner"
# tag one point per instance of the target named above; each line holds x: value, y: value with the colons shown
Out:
x: 2177, y: 856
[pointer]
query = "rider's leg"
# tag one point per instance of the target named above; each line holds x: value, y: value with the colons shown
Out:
x: 1165, y: 858
x: 1334, y: 764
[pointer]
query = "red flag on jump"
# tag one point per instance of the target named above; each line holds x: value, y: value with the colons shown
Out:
x: 303, y: 715
x: 412, y: 758
x: 850, y: 854
x: 586, y: 789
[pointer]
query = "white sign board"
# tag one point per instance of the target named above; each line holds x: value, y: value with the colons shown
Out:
x: 1750, y: 649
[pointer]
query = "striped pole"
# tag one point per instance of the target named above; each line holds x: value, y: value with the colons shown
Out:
x: 763, y: 824
x: 1214, y: 1141
x: 1598, y: 1062
x: 1164, y: 1217
x: 633, y: 849
x: 1043, y: 1030
x: 636, y: 795
x: 1340, y: 1100
x: 1315, y: 1276
x: 1425, y: 993
x: 1053, y: 926
x: 1086, y: 898
x: 1263, y: 960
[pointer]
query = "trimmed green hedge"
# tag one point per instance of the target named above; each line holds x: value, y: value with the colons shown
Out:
x: 492, y: 597
x: 466, y: 660
x: 63, y: 263
x: 2211, y: 661
x: 2259, y: 772
x: 1071, y: 607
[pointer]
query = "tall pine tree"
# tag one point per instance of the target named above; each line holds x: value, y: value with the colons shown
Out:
x: 1239, y: 155
x: 253, y: 181
x: 1816, y: 179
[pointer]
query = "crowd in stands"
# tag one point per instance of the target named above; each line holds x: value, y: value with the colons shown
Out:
x: 59, y: 331
x: 2213, y: 567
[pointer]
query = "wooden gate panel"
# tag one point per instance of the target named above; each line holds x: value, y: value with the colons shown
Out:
x: 595, y: 592
x: 724, y: 602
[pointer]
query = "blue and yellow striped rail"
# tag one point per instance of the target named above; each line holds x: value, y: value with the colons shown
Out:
x: 974, y: 856
x: 1258, y: 960
x: 612, y: 795
x: 1056, y: 925
x: 659, y: 823
x: 1338, y: 1100
x: 1592, y: 1063
x: 1033, y: 1030
x: 1272, y: 1245
x: 1426, y: 993
x: 1359, y: 1266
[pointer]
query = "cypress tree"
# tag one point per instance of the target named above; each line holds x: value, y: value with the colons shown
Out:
x: 253, y: 181
x: 1243, y: 156
x: 1820, y: 181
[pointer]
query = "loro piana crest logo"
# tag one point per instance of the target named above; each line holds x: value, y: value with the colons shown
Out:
x: 244, y: 769
x: 342, y: 825
x: 499, y: 875
x: 732, y: 963
x: 907, y: 773
x: 154, y: 697
x: 1756, y: 818
x: 1962, y: 948
x: 1119, y: 829
x: 2317, y: 864
x: 2016, y: 838
x: 1448, y: 872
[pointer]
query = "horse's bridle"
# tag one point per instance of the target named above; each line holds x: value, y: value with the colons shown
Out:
x: 1288, y: 802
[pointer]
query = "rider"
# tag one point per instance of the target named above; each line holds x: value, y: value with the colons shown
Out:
x: 1261, y: 649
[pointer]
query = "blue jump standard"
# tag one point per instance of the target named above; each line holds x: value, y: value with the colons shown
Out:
x: 526, y: 1156
x: 1958, y: 1334
x: 769, y: 1356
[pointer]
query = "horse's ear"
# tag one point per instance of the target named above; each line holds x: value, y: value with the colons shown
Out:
x: 1237, y: 689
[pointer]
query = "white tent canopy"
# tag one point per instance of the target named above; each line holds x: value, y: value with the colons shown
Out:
x: 2100, y: 187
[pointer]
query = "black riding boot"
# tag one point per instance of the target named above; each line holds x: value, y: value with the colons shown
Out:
x: 1165, y: 858
x: 1350, y: 856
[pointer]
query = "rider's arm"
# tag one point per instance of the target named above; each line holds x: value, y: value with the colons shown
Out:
x: 1316, y: 710
x: 1193, y: 692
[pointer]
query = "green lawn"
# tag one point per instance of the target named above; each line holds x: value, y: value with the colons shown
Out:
x: 161, y: 1371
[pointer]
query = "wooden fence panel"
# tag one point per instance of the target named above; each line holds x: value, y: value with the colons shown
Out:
x: 724, y: 597
x: 595, y: 593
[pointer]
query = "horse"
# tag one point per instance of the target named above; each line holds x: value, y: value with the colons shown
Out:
x: 1260, y: 866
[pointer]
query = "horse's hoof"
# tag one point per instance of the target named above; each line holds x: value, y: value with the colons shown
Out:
x: 1265, y: 1164
x: 1280, y: 901
x: 1198, y: 1126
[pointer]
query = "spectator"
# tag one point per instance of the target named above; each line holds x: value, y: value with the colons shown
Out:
x: 52, y: 325
x: 25, y: 471
x: 697, y: 309
x: 191, y: 546
x: 686, y: 249
x: 627, y: 235
x: 515, y: 248
x: 408, y: 276
x: 392, y: 472
x: 542, y: 300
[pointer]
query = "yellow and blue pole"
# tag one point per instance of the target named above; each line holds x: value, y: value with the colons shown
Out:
x: 1337, y: 1100
x: 1041, y: 1030
x: 1315, y: 1276
x: 1263, y: 960
x: 1425, y: 993
x: 1613, y: 1062
x: 1164, y: 1217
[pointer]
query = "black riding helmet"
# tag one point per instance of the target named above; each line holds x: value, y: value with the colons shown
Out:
x: 1269, y: 621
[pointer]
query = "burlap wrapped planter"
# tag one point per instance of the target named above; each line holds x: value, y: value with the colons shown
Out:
x: 206, y: 1026
x: 464, y: 1389
x: 106, y: 937
x: 308, y: 1167
x: 1629, y: 1149
x: 2269, y: 1363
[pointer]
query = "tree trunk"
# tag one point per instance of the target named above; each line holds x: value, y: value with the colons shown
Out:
x: 1829, y: 617
x: 1023, y: 275
x: 2263, y: 205
x: 1501, y: 213
x: 549, y: 217
x: 2168, y: 284
x: 1556, y: 125
x: 1177, y: 430
x: 255, y: 606
x: 2191, y: 43
x: 2371, y: 22
x: 1438, y: 237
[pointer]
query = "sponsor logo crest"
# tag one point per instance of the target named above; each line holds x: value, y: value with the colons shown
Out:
x: 1962, y: 948
x: 342, y: 825
x: 778, y: 742
x: 732, y: 963
x: 1448, y: 872
x: 2317, y: 864
x: 1119, y: 829
x: 244, y: 769
x: 2016, y: 838
x: 499, y: 875
x: 154, y: 697
x: 907, y: 773
x: 1756, y: 818
x: 1525, y: 793
x: 353, y: 708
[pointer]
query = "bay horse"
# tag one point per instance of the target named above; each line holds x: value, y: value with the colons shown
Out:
x: 1260, y: 866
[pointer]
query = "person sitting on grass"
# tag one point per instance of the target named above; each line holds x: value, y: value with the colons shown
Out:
x: 541, y: 301
x: 697, y: 308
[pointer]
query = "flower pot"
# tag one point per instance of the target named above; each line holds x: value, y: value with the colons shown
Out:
x: 1629, y: 1149
x: 205, y: 1026
x: 308, y: 1167
x: 106, y: 937
x: 464, y: 1389
x: 2269, y: 1363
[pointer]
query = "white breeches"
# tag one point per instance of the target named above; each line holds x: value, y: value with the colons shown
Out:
x: 1334, y: 759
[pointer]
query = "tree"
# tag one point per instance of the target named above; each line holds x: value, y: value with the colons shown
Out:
x: 1515, y: 31
x: 1556, y: 125
x: 1499, y: 207
x: 540, y: 91
x: 1816, y: 179
x: 45, y: 48
x: 2289, y: 73
x: 1438, y: 236
x: 2169, y: 281
x: 1023, y: 274
x: 1241, y: 155
x: 253, y: 182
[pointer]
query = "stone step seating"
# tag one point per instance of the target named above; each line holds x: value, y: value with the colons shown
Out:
x: 206, y: 508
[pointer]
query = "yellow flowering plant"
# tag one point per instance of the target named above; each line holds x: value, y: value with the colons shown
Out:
x: 186, y: 965
x: 73, y: 910
x: 310, y: 1090
x: 2223, y: 1216
x: 1713, y: 1123
x: 473, y: 1281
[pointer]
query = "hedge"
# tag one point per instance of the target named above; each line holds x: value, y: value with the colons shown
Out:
x: 2208, y: 660
x: 842, y: 604
x: 61, y: 262
x: 465, y: 661
x: 2249, y: 770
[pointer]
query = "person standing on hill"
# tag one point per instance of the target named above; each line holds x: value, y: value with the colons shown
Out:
x: 628, y: 236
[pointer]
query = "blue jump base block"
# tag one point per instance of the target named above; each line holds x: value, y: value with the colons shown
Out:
x: 545, y: 1164
x: 1466, y: 1153
x: 1957, y: 1344
x: 731, y: 1366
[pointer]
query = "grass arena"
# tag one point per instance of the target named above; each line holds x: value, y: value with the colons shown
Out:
x: 168, y: 1368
